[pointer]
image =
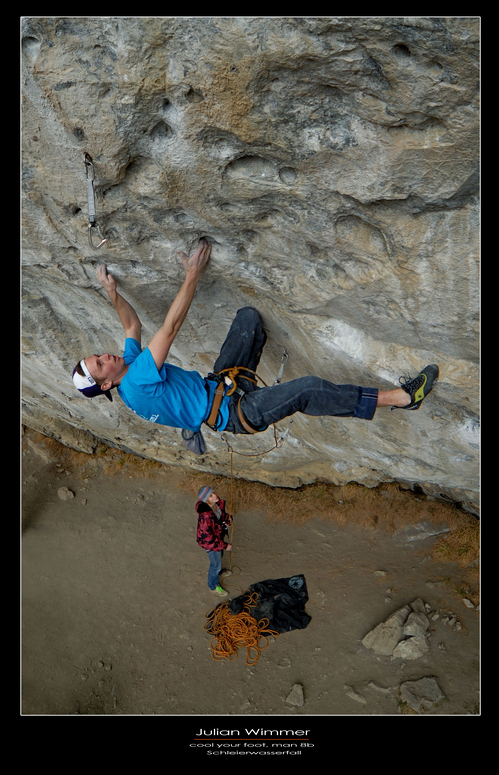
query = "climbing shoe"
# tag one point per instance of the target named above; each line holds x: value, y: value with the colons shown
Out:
x: 220, y: 591
x: 419, y: 387
x: 226, y: 573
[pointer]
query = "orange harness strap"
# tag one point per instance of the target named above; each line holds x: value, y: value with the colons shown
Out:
x: 211, y: 421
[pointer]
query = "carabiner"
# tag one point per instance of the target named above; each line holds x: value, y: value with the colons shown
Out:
x: 103, y: 239
x: 89, y: 166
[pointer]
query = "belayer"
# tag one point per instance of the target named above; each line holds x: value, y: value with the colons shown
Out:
x: 228, y: 399
x: 212, y: 528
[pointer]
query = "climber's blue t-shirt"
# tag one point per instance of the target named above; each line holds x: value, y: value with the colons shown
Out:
x: 169, y: 395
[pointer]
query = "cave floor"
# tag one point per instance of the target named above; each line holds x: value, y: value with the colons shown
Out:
x: 114, y: 600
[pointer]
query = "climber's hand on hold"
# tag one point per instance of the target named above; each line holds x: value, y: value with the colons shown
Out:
x: 106, y: 280
x: 129, y: 318
x: 196, y: 263
x: 160, y: 344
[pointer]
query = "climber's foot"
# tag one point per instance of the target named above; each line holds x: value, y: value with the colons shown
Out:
x: 419, y: 387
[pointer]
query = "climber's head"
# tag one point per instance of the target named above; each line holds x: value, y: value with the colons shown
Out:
x: 97, y: 374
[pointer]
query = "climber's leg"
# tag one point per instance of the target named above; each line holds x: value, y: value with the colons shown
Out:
x: 309, y: 395
x: 243, y: 345
x: 395, y: 397
x: 319, y: 397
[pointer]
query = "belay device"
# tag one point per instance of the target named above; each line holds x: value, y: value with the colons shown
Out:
x: 89, y: 167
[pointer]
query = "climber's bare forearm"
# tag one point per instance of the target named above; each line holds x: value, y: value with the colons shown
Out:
x: 127, y: 315
x: 162, y: 340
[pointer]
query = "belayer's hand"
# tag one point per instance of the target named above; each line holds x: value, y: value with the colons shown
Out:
x: 199, y: 258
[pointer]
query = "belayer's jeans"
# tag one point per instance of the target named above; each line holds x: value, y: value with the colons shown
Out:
x: 310, y: 395
x: 215, y: 559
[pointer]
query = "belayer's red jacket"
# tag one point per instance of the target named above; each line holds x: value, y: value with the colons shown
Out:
x: 211, y: 529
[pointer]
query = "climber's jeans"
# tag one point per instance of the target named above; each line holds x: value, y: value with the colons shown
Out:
x: 243, y: 345
x: 214, y: 569
x: 310, y: 395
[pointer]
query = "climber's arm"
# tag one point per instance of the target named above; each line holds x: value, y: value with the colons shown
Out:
x: 128, y: 316
x: 162, y: 340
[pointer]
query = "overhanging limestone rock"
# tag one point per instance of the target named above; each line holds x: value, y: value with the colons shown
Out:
x: 333, y: 164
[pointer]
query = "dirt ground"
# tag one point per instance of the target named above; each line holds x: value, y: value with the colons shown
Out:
x: 114, y: 599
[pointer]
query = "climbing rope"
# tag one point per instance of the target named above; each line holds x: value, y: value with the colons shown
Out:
x: 232, y: 374
x: 235, y: 631
x: 278, y: 442
x: 231, y: 377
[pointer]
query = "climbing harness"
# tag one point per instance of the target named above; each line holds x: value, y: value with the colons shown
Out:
x: 234, y: 631
x: 230, y: 380
x: 89, y: 168
x: 227, y: 378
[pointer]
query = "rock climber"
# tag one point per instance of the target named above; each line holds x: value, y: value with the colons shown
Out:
x: 169, y: 395
x: 212, y: 528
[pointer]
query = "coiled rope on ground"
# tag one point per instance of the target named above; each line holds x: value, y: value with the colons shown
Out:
x: 235, y: 631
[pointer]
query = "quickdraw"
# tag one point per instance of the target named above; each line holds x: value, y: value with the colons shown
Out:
x: 89, y: 168
x: 281, y: 370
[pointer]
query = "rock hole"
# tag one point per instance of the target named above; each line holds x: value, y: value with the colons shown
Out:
x: 161, y: 133
x: 288, y: 175
x: 30, y: 46
x: 229, y: 207
x: 254, y: 167
x: 436, y: 68
x: 401, y: 51
x: 182, y: 218
x: 194, y: 96
x: 167, y: 108
x: 366, y: 237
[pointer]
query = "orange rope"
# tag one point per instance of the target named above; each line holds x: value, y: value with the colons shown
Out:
x: 234, y: 631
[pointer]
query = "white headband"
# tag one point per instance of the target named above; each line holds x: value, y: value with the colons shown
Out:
x: 83, y: 382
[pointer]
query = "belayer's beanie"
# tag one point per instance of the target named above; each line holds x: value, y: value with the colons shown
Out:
x: 205, y: 493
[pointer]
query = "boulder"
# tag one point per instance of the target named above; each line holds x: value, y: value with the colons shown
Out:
x: 403, y: 635
x: 422, y: 694
x: 385, y: 636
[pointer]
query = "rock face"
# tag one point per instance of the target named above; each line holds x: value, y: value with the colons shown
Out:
x: 333, y: 164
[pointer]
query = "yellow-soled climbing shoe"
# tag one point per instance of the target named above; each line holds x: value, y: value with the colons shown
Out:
x: 419, y: 387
